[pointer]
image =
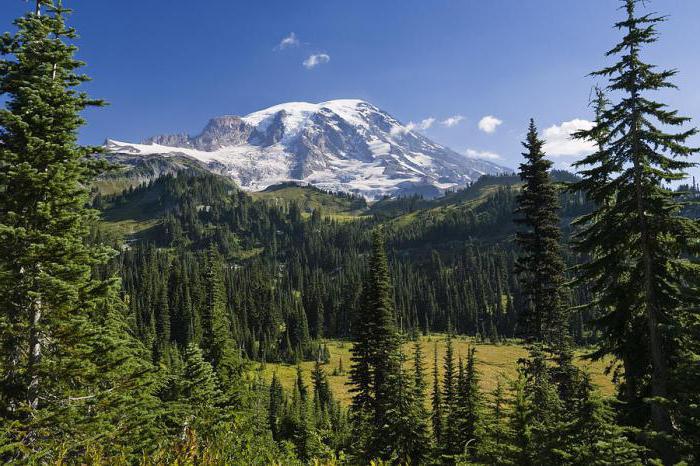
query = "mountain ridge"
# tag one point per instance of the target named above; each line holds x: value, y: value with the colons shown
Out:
x: 343, y: 145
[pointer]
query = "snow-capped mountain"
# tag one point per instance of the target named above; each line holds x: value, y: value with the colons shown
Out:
x: 339, y: 145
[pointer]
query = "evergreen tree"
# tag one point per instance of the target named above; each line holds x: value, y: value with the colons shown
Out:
x: 200, y: 402
x: 636, y: 239
x: 405, y: 436
x: 595, y: 437
x: 450, y: 441
x: 393, y: 406
x: 547, y: 417
x: 361, y: 369
x: 540, y: 266
x: 520, y: 423
x: 275, y: 405
x: 495, y: 446
x: 469, y: 406
x: 436, y: 402
x: 70, y: 369
x: 216, y: 326
x: 323, y: 398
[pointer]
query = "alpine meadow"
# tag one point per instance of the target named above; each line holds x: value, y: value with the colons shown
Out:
x: 313, y: 280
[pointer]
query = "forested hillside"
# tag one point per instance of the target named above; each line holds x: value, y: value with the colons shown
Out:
x: 300, y: 258
x: 148, y: 312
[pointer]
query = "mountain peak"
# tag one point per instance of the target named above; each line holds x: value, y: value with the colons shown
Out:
x: 342, y: 145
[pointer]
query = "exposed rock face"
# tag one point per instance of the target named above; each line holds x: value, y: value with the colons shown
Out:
x: 343, y: 145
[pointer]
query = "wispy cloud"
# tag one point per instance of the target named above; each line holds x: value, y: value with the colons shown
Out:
x: 316, y: 59
x: 421, y: 125
x: 489, y: 123
x: 290, y: 41
x: 477, y: 154
x: 558, y: 140
x: 454, y: 120
x: 413, y: 126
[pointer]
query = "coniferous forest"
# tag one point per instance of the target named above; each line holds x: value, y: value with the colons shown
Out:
x: 133, y: 321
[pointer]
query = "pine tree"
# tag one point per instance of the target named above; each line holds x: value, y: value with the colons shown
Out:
x: 635, y: 237
x: 540, y: 266
x: 70, y: 369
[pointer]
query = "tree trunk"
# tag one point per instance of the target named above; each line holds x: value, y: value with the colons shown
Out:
x: 34, y: 355
x: 660, y: 416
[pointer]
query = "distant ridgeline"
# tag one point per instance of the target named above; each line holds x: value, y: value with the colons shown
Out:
x: 295, y: 256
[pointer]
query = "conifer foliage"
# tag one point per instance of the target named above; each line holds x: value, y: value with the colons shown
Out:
x: 540, y: 265
x: 639, y: 245
x: 69, y: 367
x: 385, y: 403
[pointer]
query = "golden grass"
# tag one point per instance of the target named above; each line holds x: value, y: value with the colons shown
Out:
x: 493, y: 361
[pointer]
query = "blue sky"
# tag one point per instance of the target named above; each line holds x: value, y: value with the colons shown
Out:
x: 170, y: 65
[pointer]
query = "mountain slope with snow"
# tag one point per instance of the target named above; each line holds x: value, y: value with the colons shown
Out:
x: 339, y: 145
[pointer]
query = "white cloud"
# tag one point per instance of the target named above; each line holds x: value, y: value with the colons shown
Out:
x: 558, y: 140
x: 477, y: 154
x: 316, y: 59
x: 412, y: 126
x: 290, y: 41
x: 454, y: 120
x: 489, y: 123
x: 421, y: 125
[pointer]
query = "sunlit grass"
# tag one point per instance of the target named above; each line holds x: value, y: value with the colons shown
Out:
x: 493, y: 362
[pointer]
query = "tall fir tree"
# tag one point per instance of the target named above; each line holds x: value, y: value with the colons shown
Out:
x: 637, y: 242
x: 217, y: 342
x: 384, y: 401
x: 540, y: 266
x: 70, y: 368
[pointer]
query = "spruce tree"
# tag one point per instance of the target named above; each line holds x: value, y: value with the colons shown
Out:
x: 540, y: 266
x: 636, y: 237
x: 70, y: 368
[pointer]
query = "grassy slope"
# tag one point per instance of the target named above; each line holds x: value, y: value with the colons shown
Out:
x: 310, y: 199
x: 494, y: 361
